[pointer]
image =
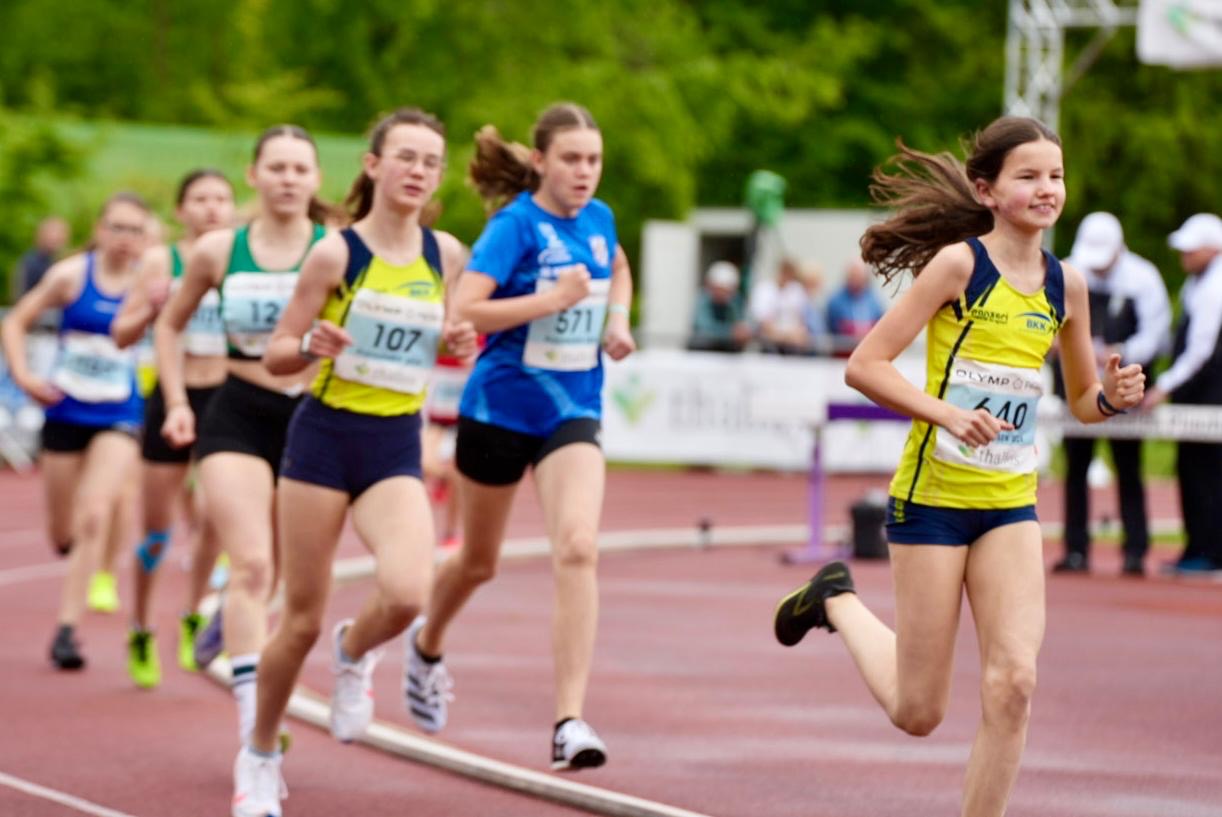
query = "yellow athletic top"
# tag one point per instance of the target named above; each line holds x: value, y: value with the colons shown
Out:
x: 394, y: 314
x: 985, y: 350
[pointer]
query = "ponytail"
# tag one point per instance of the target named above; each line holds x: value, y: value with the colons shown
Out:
x: 500, y: 170
x: 934, y: 196
x: 935, y: 205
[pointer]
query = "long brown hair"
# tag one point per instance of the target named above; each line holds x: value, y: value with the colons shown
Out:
x: 359, y: 200
x: 319, y: 211
x: 500, y: 170
x: 934, y: 195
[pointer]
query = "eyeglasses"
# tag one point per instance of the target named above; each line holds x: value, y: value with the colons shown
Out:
x: 125, y: 229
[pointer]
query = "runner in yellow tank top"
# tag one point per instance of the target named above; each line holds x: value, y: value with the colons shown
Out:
x: 962, y: 513
x: 370, y: 304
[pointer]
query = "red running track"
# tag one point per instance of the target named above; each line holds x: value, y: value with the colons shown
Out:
x: 701, y: 709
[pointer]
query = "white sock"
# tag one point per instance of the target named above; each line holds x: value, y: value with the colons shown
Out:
x: 244, y: 678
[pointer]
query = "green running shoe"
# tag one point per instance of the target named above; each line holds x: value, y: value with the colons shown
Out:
x: 143, y: 665
x: 103, y: 592
x: 188, y: 626
x: 802, y: 610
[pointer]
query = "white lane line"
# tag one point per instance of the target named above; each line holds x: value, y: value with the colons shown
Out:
x: 16, y: 575
x: 35, y: 790
x: 307, y: 706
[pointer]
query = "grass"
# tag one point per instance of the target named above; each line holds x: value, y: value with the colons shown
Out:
x: 150, y: 159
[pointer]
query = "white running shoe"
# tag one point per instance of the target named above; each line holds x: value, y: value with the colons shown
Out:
x: 352, y: 700
x: 576, y: 745
x: 258, y: 787
x: 426, y: 687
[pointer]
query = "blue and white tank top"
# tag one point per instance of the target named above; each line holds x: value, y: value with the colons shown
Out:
x: 97, y: 377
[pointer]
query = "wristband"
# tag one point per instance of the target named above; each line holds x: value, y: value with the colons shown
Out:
x: 304, y: 348
x: 1106, y: 408
x: 618, y: 309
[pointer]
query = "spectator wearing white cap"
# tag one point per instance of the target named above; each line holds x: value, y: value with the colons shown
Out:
x: 719, y: 324
x: 1195, y: 377
x: 1130, y: 315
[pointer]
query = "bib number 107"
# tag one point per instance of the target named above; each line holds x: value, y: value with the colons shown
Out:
x: 396, y: 339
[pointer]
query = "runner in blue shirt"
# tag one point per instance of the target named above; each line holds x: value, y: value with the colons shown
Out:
x: 93, y: 409
x: 550, y: 285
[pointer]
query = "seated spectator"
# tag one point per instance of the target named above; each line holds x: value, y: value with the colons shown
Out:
x: 778, y: 310
x: 814, y: 318
x: 854, y: 308
x: 719, y: 324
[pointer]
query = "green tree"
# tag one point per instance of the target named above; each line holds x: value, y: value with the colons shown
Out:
x: 32, y: 155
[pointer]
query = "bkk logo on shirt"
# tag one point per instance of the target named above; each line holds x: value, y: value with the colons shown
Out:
x: 555, y: 252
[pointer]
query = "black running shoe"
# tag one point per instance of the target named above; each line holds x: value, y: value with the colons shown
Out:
x: 803, y: 609
x: 65, y: 653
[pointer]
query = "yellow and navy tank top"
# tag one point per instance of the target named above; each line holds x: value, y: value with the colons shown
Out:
x: 252, y: 298
x: 394, y: 314
x: 985, y: 350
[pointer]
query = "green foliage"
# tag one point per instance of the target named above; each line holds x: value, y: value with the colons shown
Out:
x: 33, y: 155
x: 692, y: 97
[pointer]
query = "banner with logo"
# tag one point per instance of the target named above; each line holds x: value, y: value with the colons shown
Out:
x: 757, y: 411
x: 1180, y: 33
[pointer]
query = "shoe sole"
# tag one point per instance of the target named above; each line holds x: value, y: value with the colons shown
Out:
x: 585, y: 759
x: 70, y: 665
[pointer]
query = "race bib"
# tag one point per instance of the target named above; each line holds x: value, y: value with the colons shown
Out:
x: 1007, y: 393
x: 205, y: 333
x: 568, y: 341
x: 251, y: 306
x: 92, y: 369
x: 445, y: 392
x: 394, y: 341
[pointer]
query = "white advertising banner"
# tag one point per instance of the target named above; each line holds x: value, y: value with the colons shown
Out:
x: 671, y: 406
x: 1180, y: 33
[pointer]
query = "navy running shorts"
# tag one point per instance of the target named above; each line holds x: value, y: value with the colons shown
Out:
x: 348, y: 451
x: 911, y: 524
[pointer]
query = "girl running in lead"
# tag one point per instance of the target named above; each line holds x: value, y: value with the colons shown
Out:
x: 204, y: 203
x: 371, y: 304
x: 962, y: 508
x: 241, y: 437
x: 542, y: 278
x: 93, y: 407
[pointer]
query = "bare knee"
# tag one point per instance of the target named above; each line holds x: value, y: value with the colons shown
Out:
x: 251, y: 575
x: 919, y: 719
x: 402, y: 601
x: 92, y: 518
x: 1006, y: 691
x: 476, y: 569
x: 576, y: 550
x: 300, y: 629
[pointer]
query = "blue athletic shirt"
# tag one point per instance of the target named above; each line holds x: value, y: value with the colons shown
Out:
x: 98, y: 379
x: 534, y: 377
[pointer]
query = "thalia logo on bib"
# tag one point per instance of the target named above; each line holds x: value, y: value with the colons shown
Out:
x: 598, y: 246
x: 555, y: 252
